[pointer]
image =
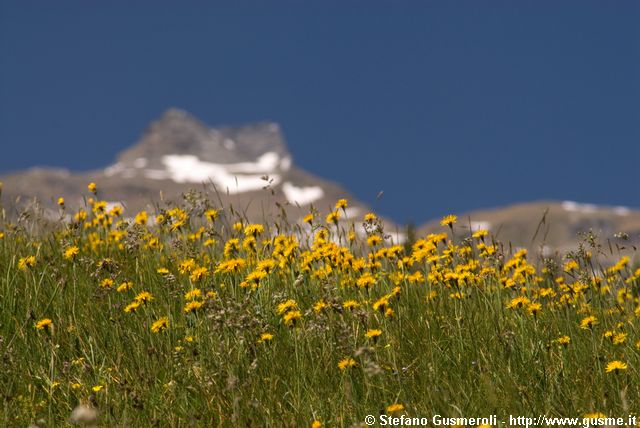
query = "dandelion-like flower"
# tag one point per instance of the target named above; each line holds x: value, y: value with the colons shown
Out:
x: 333, y: 217
x: 286, y: 306
x: 265, y: 337
x: 373, y: 334
x: 394, y: 408
x: 370, y: 217
x: 211, y: 215
x: 71, y: 253
x: 291, y: 317
x: 44, y: 323
x: 193, y: 306
x: 124, y: 286
x: 563, y: 340
x: 448, y: 220
x: 319, y: 306
x: 616, y: 366
x: 26, y: 262
x: 346, y: 363
x: 160, y: 325
x: 588, y: 322
x: 144, y: 297
x: 132, y: 307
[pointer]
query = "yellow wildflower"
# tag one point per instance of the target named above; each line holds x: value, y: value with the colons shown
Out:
x: 448, y: 220
x: 346, y: 363
x: 160, y: 325
x: 588, y: 322
x: 44, y: 323
x: 373, y: 334
x: 616, y: 366
x: 394, y: 408
x: 192, y: 306
x: 71, y: 253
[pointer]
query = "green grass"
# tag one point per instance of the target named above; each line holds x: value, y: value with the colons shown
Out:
x: 454, y: 357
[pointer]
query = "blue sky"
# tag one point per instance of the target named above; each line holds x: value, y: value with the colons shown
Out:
x: 444, y: 106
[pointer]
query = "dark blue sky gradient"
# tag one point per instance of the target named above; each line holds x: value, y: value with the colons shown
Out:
x: 444, y: 106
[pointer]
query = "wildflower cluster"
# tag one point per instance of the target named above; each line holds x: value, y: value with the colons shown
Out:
x: 194, y: 302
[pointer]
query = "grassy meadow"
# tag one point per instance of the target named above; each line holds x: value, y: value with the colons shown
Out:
x: 193, y: 316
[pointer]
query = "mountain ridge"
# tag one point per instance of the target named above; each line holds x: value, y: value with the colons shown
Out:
x: 251, y: 167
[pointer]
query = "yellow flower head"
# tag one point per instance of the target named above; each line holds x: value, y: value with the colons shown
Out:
x: 211, y: 215
x: 394, y: 408
x: 160, y: 325
x: 192, y: 306
x: 350, y: 304
x: 448, y: 220
x: 92, y: 187
x: 126, y: 285
x: 373, y: 334
x: 616, y: 366
x: 106, y: 283
x: 141, y: 218
x: 71, y: 253
x: 346, y: 363
x: 291, y: 317
x: 588, y: 322
x: 144, y: 297
x: 26, y: 262
x: 374, y: 240
x: 44, y: 323
x: 370, y: 217
x: 534, y: 308
x: 193, y: 294
x: 286, y: 306
x: 265, y: 337
x: 333, y: 217
x: 132, y: 307
x: 253, y: 230
x: 479, y: 234
x: 342, y: 203
x: 319, y: 306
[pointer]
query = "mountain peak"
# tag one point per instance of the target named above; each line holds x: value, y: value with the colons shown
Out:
x: 176, y: 132
x: 177, y: 152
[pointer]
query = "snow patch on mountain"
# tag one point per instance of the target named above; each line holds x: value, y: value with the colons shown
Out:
x: 236, y: 178
x: 302, y: 195
x: 592, y: 208
x: 480, y: 225
x: 572, y: 206
x: 622, y: 211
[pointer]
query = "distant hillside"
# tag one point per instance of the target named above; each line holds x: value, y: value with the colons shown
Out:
x: 549, y: 226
